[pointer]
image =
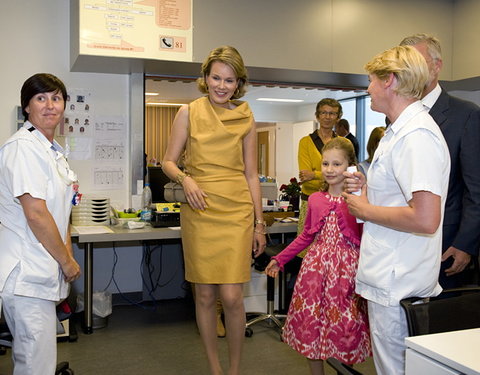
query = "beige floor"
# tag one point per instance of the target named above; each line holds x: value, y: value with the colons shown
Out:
x: 166, y: 342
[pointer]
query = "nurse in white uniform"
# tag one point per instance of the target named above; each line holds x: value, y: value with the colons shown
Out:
x: 402, y: 204
x: 36, y: 258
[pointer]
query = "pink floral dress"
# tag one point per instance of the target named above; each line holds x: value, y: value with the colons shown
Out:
x: 326, y: 318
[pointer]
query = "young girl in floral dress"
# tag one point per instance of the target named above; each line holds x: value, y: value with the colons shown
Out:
x: 326, y: 318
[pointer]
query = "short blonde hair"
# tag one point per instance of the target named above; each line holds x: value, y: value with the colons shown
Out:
x: 230, y: 56
x: 407, y: 65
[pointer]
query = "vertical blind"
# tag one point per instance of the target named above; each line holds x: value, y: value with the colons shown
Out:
x: 158, y: 126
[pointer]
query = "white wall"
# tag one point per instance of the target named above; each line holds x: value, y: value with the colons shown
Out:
x: 473, y: 96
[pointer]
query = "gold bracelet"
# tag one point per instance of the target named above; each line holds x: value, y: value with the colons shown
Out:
x: 260, y: 232
x: 180, y: 177
x: 263, y: 222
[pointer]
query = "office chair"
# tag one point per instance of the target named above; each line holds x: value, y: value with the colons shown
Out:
x: 270, y: 315
x: 341, y: 368
x: 452, y: 310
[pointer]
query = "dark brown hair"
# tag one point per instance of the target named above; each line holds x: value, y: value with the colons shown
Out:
x: 40, y: 83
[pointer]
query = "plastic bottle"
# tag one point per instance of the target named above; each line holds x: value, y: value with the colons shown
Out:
x: 146, y: 214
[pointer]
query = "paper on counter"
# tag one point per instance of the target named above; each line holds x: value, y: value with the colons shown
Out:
x: 92, y: 229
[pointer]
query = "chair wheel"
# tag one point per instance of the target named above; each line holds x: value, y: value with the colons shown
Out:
x: 248, y: 332
x: 63, y: 369
x: 67, y: 371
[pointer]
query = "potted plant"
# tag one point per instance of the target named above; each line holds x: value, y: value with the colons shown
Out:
x: 291, y: 192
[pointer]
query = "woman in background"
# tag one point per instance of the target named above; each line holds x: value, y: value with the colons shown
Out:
x: 223, y: 220
x: 372, y: 144
x: 36, y: 194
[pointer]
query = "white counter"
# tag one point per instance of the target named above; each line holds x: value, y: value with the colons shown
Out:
x: 456, y: 352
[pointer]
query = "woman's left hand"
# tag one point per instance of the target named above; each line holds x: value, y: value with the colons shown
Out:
x: 259, y: 243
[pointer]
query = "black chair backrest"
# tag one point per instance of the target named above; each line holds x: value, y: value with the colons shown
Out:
x: 452, y: 310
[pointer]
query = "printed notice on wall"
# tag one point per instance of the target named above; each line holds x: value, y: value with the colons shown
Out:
x: 109, y: 177
x: 148, y: 29
x: 110, y: 135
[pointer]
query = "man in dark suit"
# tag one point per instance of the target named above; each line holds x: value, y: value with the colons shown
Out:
x: 343, y: 129
x: 459, y: 122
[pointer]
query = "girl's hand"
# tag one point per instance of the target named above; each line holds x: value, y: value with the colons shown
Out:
x: 259, y: 243
x: 273, y: 268
x: 353, y: 181
x: 195, y: 196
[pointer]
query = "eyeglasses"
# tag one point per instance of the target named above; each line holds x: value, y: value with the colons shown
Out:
x: 325, y: 113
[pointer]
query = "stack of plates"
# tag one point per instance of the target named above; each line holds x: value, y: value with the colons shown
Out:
x: 92, y: 211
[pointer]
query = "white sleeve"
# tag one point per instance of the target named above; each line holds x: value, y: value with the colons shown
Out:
x: 25, y: 169
x: 419, y: 162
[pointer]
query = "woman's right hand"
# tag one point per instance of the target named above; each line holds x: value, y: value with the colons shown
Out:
x: 195, y: 196
x: 71, y: 270
x: 273, y: 268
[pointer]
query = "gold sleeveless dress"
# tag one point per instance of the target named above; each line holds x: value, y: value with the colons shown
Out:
x: 217, y: 242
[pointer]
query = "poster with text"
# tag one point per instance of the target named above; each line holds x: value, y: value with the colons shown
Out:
x: 148, y: 29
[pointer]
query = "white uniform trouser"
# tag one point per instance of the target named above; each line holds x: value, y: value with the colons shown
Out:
x: 32, y: 323
x: 388, y: 329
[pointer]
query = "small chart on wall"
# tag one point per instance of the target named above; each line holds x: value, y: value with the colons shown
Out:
x: 147, y: 29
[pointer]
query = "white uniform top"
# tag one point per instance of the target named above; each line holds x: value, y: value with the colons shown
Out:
x: 29, y: 163
x: 412, y: 156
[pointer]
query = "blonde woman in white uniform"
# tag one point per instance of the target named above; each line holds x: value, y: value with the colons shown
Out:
x: 36, y: 260
x: 402, y: 204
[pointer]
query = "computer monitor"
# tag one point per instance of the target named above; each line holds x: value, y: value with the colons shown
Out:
x: 157, y: 180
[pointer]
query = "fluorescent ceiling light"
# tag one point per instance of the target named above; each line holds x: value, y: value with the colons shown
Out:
x: 151, y: 93
x: 167, y: 104
x: 280, y: 100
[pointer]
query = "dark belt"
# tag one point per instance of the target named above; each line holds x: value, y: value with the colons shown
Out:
x: 304, y: 196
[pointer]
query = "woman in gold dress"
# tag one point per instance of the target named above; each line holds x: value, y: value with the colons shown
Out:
x: 223, y: 222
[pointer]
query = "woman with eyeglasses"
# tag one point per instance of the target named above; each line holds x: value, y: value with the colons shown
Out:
x: 37, y: 190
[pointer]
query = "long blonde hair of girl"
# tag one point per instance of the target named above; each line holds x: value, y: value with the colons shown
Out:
x: 343, y: 144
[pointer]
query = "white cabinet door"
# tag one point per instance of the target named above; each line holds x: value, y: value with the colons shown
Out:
x: 419, y: 364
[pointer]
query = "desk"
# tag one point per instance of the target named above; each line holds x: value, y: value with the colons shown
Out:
x: 444, y: 353
x: 122, y: 234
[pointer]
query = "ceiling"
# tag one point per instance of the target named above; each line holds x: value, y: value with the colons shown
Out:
x: 184, y: 91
